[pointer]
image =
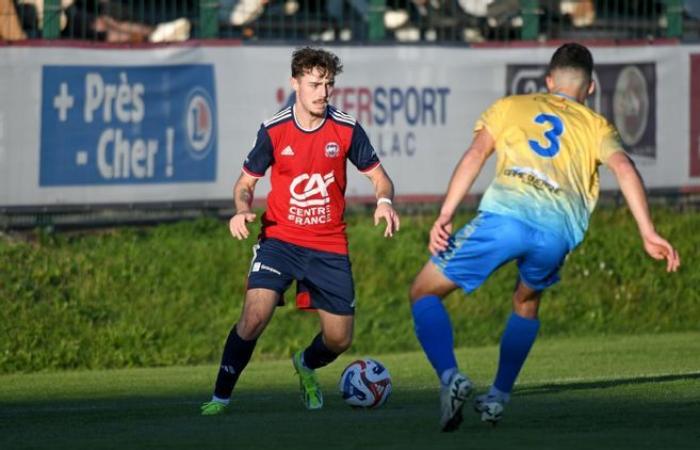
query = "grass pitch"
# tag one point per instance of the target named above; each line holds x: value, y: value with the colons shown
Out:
x: 620, y: 392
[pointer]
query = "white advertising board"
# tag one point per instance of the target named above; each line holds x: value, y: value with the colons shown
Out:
x: 82, y: 126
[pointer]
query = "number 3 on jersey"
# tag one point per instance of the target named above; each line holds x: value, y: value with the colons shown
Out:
x: 552, y: 135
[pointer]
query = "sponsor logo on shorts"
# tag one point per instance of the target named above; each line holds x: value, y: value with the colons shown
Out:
x: 257, y: 267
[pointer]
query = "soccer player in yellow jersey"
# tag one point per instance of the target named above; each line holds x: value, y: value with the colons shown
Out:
x: 536, y: 210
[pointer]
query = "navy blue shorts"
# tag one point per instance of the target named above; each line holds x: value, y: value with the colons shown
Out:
x: 324, y: 279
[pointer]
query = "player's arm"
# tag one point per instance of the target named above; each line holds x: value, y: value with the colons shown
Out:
x: 362, y: 155
x: 243, y: 200
x: 462, y: 180
x: 633, y: 189
x: 254, y: 168
x: 384, y: 192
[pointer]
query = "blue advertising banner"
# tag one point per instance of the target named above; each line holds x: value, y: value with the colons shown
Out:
x: 103, y: 125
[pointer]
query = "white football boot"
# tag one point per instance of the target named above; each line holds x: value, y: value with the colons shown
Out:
x: 490, y: 407
x: 452, y: 398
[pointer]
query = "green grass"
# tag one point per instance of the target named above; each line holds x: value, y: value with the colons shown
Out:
x: 616, y: 392
x: 168, y: 295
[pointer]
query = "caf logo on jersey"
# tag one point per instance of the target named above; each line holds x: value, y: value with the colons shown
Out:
x: 199, y: 120
x: 332, y: 150
x: 316, y: 186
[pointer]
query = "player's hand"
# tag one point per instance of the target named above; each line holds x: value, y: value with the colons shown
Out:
x: 237, y: 225
x: 659, y: 248
x: 440, y: 234
x: 386, y: 211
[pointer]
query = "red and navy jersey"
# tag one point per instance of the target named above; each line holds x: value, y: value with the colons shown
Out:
x: 306, y: 203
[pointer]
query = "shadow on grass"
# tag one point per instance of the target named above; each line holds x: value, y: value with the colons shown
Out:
x: 580, y: 416
x: 604, y: 384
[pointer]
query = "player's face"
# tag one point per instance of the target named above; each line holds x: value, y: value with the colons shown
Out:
x: 313, y: 91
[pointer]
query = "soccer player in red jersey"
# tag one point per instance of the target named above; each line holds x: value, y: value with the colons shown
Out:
x: 303, y: 238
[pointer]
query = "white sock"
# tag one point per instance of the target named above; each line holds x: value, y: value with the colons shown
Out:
x: 500, y: 395
x: 446, y: 375
x: 224, y: 401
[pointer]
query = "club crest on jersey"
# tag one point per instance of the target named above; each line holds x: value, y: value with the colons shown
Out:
x: 332, y: 150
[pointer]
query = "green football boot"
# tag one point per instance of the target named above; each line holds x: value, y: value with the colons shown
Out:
x: 213, y: 408
x: 311, y: 393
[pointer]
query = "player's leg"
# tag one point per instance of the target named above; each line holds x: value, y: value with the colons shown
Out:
x: 329, y: 285
x: 475, y: 251
x: 517, y: 340
x: 272, y: 271
x: 257, y: 311
x: 334, y: 339
x: 431, y: 320
x: 539, y: 268
x: 434, y: 332
x: 518, y: 337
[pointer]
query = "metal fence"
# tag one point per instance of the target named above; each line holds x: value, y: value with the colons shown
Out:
x: 411, y: 21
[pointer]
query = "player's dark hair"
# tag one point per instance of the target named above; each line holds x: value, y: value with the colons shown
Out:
x: 305, y: 59
x: 572, y: 56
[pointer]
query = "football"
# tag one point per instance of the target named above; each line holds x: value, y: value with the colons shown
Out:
x: 365, y: 383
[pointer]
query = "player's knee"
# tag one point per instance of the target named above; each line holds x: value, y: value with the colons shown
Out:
x: 338, y: 344
x: 526, y: 307
x: 416, y: 291
x: 247, y: 332
x: 251, y: 326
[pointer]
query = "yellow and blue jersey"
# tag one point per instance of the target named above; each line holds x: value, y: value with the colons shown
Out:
x: 548, y: 151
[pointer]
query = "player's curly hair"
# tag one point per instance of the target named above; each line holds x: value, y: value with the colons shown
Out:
x: 306, y: 58
x: 572, y: 56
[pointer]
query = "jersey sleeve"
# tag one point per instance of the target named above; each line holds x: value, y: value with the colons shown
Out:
x: 261, y: 156
x: 361, y: 152
x: 493, y: 119
x: 610, y: 143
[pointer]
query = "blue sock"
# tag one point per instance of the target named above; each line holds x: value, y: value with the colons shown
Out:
x: 516, y: 342
x: 434, y: 332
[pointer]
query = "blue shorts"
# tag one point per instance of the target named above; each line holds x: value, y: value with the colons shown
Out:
x: 490, y: 241
x: 324, y: 279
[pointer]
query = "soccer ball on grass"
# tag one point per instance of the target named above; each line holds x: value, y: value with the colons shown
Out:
x: 365, y: 383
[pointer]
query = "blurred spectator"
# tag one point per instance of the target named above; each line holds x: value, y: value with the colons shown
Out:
x: 408, y: 19
x: 477, y: 8
x: 130, y: 21
x: 81, y: 16
x: 31, y: 14
x: 433, y: 20
x: 581, y: 12
x: 240, y: 12
x: 502, y: 12
x: 108, y: 20
x: 405, y: 20
x: 10, y: 27
x: 352, y: 15
x: 146, y: 20
x: 122, y: 31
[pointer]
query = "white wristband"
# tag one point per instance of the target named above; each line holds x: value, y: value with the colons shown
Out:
x: 383, y: 200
